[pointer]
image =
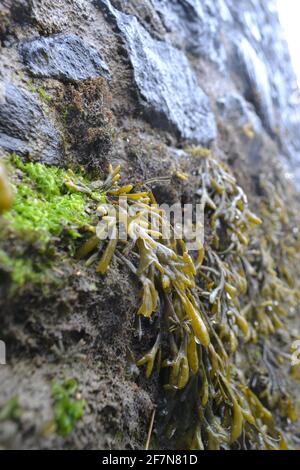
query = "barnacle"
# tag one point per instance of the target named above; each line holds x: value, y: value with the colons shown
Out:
x: 205, y: 305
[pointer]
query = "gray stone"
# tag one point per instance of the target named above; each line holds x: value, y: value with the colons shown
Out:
x: 257, y: 88
x: 167, y: 85
x: 24, y: 129
x: 64, y: 57
x: 235, y: 109
x: 195, y: 25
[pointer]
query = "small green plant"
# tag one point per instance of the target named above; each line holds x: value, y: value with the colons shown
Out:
x: 68, y: 408
x: 11, y: 411
x: 21, y: 269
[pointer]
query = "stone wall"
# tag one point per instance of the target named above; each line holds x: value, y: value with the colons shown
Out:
x: 131, y: 82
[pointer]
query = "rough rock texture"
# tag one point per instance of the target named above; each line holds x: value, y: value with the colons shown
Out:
x: 194, y: 26
x: 63, y: 56
x: 24, y: 128
x: 214, y: 72
x: 238, y: 38
x: 167, y: 85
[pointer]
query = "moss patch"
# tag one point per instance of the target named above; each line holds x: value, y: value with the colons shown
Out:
x: 20, y: 269
x: 42, y: 208
x: 43, y: 95
x: 68, y: 408
x: 44, y: 212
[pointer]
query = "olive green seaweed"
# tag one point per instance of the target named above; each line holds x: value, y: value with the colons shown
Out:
x: 205, y: 307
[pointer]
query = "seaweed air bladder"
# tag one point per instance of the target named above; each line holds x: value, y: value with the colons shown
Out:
x: 6, y: 196
x: 199, y: 305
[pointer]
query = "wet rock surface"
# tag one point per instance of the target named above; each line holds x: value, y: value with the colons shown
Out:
x: 167, y: 85
x: 64, y: 57
x: 257, y: 89
x: 242, y: 42
x: 193, y: 25
x: 24, y: 128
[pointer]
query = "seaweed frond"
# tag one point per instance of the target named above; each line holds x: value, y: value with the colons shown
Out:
x: 205, y: 305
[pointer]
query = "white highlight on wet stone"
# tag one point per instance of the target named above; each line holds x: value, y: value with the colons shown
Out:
x: 289, y: 15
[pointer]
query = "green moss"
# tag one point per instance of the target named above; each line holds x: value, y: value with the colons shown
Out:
x: 42, y: 208
x: 21, y: 269
x: 67, y: 408
x: 43, y: 212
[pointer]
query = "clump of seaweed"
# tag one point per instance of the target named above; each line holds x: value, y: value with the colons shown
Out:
x: 199, y: 304
x: 205, y: 306
x: 273, y: 294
